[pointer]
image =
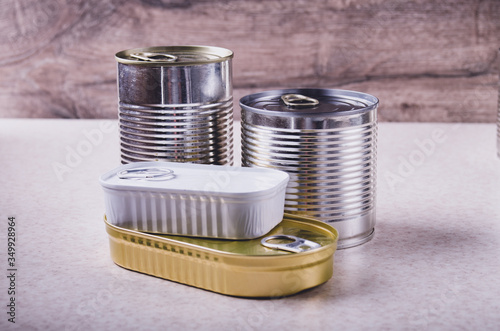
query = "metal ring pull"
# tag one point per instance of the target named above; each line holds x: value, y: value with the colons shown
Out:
x: 297, y: 246
x: 147, y: 174
x: 299, y: 101
x: 154, y: 57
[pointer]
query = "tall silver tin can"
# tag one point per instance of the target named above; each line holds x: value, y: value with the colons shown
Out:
x: 176, y: 104
x: 327, y: 141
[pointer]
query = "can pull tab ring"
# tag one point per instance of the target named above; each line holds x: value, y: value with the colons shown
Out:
x: 153, y: 174
x: 298, y: 245
x: 299, y: 101
x: 154, y: 57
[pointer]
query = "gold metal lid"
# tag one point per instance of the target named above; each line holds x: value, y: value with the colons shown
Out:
x: 173, y: 55
x: 292, y: 231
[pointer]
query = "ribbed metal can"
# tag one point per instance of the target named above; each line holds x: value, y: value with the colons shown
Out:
x: 176, y: 104
x: 326, y: 140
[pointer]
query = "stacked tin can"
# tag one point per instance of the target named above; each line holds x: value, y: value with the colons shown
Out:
x: 176, y: 104
x: 326, y: 140
x: 173, y: 221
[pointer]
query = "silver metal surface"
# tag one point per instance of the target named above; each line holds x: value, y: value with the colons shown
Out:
x: 328, y: 149
x: 154, y: 57
x: 174, y: 96
x: 294, y: 244
x: 147, y: 173
x: 299, y: 100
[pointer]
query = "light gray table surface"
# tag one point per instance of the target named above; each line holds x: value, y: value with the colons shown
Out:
x: 434, y: 263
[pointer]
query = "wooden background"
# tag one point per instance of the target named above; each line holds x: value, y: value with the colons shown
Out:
x: 426, y: 60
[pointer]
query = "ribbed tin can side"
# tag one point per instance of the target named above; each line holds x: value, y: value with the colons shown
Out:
x: 332, y: 166
x: 196, y: 214
x: 175, y: 104
x: 195, y: 135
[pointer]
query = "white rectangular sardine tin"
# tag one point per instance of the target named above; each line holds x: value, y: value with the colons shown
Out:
x: 194, y: 199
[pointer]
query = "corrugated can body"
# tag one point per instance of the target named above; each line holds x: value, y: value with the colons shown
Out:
x: 326, y: 141
x: 175, y: 104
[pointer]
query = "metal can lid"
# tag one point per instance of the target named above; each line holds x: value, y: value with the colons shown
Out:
x: 294, y: 235
x: 173, y: 55
x: 309, y: 236
x: 195, y: 179
x: 309, y: 101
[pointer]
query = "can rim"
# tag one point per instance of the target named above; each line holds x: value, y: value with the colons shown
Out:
x: 220, y: 55
x: 348, y: 94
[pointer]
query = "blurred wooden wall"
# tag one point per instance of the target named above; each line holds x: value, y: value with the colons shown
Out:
x: 426, y: 60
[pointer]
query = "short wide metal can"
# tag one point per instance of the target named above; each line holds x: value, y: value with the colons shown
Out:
x: 176, y: 104
x: 325, y: 140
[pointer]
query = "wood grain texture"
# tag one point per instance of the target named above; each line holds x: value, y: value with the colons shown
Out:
x: 426, y: 60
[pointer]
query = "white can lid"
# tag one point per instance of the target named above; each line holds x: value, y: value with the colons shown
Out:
x: 187, y: 178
